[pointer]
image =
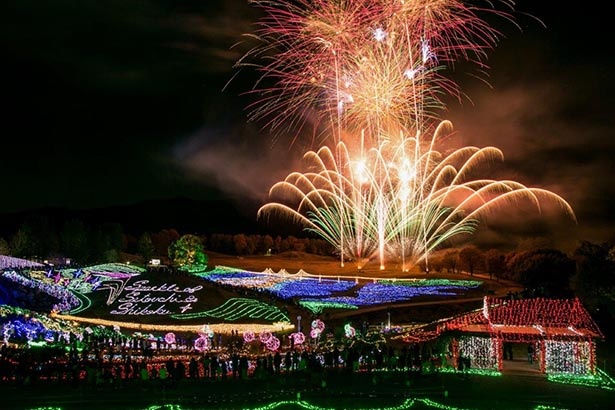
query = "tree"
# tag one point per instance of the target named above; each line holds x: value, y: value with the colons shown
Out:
x: 19, y: 243
x: 449, y: 260
x: 546, y: 271
x: 4, y: 247
x: 436, y: 263
x: 495, y: 263
x: 594, y: 281
x: 145, y: 247
x: 241, y: 244
x: 35, y: 238
x: 163, y: 239
x: 188, y: 250
x: 107, y: 241
x: 74, y: 240
x: 470, y: 258
x: 222, y: 243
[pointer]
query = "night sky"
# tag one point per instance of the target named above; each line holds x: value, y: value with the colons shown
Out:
x: 114, y: 102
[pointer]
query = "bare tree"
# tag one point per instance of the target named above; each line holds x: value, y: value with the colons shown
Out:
x: 470, y: 258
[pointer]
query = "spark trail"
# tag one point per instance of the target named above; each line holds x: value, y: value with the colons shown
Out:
x: 373, y: 72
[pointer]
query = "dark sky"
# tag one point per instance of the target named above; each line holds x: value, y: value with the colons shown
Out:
x: 117, y: 101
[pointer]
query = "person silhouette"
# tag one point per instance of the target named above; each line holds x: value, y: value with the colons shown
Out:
x: 530, y: 353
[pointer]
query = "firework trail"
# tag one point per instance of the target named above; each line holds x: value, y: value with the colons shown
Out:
x: 373, y: 71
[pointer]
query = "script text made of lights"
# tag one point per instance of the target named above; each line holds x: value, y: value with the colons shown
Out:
x: 143, y: 299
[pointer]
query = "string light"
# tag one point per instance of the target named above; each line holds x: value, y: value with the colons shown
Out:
x: 318, y: 293
x: 564, y: 330
x: 67, y: 300
x: 223, y: 328
x: 317, y: 307
x: 237, y: 308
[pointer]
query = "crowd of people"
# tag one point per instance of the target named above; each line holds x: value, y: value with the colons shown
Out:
x: 102, y: 361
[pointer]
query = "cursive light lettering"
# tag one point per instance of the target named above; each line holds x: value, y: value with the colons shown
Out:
x: 142, y: 299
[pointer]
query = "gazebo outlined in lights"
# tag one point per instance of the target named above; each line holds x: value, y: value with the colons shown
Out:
x: 561, y: 331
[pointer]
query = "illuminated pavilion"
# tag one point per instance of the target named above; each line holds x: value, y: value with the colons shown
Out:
x: 561, y: 331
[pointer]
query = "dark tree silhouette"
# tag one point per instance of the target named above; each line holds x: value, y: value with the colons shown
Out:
x: 74, y: 240
x: 594, y: 281
x: 495, y: 263
x: 546, y: 271
x: 471, y: 258
x: 145, y: 247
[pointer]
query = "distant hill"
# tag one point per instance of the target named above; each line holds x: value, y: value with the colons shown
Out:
x: 184, y: 214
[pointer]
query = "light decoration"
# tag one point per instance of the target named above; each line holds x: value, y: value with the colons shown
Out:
x: 265, y: 336
x: 115, y: 268
x: 471, y: 370
x: 206, y: 330
x: 8, y: 330
x: 202, y: 343
x: 349, y: 331
x: 566, y: 357
x: 273, y: 343
x: 480, y: 350
x: 598, y: 380
x: 193, y: 268
x: 223, y: 328
x: 144, y: 299
x: 317, y: 307
x: 282, y: 286
x: 390, y: 292
x: 318, y: 326
x: 19, y: 325
x: 562, y: 329
x: 86, y: 303
x: 310, y: 287
x: 314, y: 291
x: 408, y: 403
x: 298, y: 338
x: 53, y: 324
x: 240, y: 308
x: 444, y: 283
x: 10, y: 262
x: 248, y: 336
x: 81, y: 281
x: 67, y: 300
x: 169, y: 338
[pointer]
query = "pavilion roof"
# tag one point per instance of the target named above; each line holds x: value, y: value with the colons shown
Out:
x: 540, y: 316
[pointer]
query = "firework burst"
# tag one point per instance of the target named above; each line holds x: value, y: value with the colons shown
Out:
x: 397, y: 201
x: 357, y: 64
x: 373, y: 71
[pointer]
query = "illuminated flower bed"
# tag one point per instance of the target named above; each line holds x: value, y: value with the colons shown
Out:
x: 317, y: 294
x: 281, y: 286
x: 248, y: 280
x: 66, y: 299
x: 392, y: 292
x: 9, y: 262
x: 310, y: 287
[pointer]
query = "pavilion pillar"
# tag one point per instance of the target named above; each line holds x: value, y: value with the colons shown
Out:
x: 543, y: 356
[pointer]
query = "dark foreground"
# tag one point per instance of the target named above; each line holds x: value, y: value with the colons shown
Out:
x: 333, y: 390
